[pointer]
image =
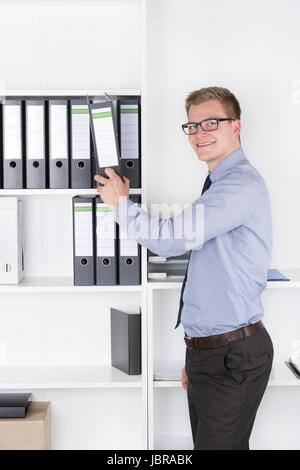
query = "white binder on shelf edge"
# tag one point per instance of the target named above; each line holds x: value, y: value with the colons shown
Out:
x: 36, y: 163
x: 80, y: 150
x: 129, y: 256
x: 104, y: 136
x: 83, y: 240
x: 129, y: 112
x: 13, y: 145
x: 106, y: 245
x: 11, y: 241
x: 58, y: 144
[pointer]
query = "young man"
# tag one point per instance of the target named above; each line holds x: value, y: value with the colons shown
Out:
x: 229, y: 352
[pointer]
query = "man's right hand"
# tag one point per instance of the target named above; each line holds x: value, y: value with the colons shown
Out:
x: 184, y: 379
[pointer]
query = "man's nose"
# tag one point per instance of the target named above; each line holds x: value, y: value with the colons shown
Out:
x: 200, y: 131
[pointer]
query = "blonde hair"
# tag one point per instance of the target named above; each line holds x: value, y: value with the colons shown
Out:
x: 223, y: 95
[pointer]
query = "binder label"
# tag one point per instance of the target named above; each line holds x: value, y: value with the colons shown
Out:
x: 12, y: 132
x: 105, y: 137
x: 129, y: 131
x: 83, y: 229
x: 35, y: 132
x: 106, y: 231
x: 58, y: 131
x: 80, y: 132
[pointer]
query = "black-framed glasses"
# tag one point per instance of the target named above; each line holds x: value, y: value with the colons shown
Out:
x: 207, y: 125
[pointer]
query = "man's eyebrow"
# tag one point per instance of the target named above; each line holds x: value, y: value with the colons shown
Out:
x: 205, y: 119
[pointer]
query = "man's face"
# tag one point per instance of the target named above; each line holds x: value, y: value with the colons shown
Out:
x: 213, y: 146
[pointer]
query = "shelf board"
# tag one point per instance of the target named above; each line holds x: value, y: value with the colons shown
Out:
x: 66, y: 377
x: 280, y: 376
x: 61, y: 284
x: 41, y: 92
x: 161, y: 285
x: 292, y: 274
x: 55, y: 192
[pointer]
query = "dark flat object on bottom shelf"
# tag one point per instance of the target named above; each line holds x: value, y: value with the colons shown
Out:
x: 14, y: 405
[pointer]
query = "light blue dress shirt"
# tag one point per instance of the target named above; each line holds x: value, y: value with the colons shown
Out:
x: 231, y: 247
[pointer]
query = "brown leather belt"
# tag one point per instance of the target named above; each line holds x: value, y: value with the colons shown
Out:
x: 207, y: 342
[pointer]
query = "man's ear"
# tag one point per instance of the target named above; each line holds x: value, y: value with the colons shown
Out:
x: 237, y: 127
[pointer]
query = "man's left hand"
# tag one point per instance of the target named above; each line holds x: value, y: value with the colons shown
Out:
x: 114, y: 190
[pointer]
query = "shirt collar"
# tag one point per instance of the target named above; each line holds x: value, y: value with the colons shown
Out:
x: 229, y: 162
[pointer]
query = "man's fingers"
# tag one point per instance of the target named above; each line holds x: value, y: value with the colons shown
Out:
x: 99, y: 189
x: 100, y: 179
x: 126, y: 181
x: 109, y: 172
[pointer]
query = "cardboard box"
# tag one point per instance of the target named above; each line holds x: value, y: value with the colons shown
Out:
x: 29, y: 433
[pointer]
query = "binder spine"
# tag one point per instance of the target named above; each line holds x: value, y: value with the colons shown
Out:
x: 47, y: 161
x: 126, y: 341
x: 13, y: 145
x: 84, y: 240
x: 69, y: 139
x: 35, y: 155
x: 23, y: 137
x: 80, y: 144
x: 129, y: 124
x: 11, y: 241
x: 94, y: 161
x: 134, y: 335
x: 106, y: 158
x: 58, y: 144
x: 106, y: 245
x: 129, y: 258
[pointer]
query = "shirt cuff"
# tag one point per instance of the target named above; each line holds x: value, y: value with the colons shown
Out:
x: 121, y: 212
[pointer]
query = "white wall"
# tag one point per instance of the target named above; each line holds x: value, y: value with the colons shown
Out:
x: 67, y: 44
x: 252, y: 49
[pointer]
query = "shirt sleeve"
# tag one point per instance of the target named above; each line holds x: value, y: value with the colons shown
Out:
x: 227, y: 204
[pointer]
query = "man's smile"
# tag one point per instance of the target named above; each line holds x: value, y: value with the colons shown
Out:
x: 205, y: 144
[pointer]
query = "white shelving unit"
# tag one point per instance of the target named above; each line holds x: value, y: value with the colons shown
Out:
x: 45, y: 289
x: 55, y: 337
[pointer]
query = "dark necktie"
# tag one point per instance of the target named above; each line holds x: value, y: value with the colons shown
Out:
x: 206, y: 185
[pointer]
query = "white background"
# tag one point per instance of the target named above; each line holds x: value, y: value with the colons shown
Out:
x: 252, y: 49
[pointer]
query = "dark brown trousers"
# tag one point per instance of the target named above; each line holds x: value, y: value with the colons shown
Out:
x: 225, y: 387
